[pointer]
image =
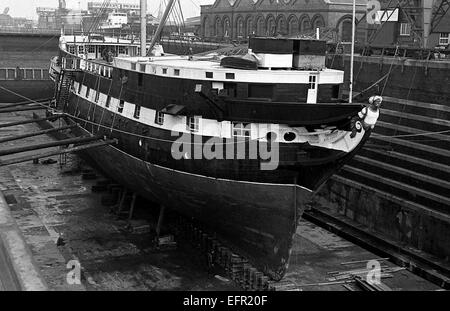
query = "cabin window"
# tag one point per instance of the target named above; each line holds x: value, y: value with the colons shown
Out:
x: 122, y: 49
x: 87, y: 91
x: 120, y: 107
x: 209, y: 75
x: 142, y: 67
x: 405, y: 29
x: 71, y: 49
x: 312, y: 82
x: 159, y: 118
x: 164, y: 71
x: 91, y: 49
x: 260, y: 91
x: 133, y: 66
x: 108, y: 101
x: 241, y: 129
x: 176, y: 72
x: 140, y: 79
x: 80, y: 49
x: 137, y: 112
x: 193, y: 123
x: 444, y: 38
x: 229, y: 75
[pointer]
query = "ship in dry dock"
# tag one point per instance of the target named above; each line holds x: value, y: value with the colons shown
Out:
x: 239, y: 143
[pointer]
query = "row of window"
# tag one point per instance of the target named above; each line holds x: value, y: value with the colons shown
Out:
x: 239, y: 129
x: 81, y: 49
x: 405, y: 30
x: 444, y: 38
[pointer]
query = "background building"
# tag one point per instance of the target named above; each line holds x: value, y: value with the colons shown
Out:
x: 237, y: 19
x: 17, y: 22
x: 416, y: 23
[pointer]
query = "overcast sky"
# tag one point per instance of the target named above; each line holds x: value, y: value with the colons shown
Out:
x: 27, y: 8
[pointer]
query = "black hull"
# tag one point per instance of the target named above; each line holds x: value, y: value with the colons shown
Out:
x: 255, y: 211
x: 256, y: 219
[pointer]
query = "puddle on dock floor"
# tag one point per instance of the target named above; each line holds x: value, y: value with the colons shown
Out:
x: 49, y: 205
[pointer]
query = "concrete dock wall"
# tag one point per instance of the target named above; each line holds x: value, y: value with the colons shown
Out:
x: 398, y: 185
x: 32, y: 53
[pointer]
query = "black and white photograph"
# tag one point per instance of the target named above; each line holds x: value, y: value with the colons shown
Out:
x: 225, y: 150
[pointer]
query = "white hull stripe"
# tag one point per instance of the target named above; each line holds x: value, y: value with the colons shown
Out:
x: 337, y: 140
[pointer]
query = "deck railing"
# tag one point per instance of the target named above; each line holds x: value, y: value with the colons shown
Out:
x: 24, y: 74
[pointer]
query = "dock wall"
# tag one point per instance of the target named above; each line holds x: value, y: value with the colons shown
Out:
x: 24, y: 65
x: 399, y: 183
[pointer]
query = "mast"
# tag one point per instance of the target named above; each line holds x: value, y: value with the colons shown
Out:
x: 352, y: 55
x: 143, y: 27
x: 162, y: 22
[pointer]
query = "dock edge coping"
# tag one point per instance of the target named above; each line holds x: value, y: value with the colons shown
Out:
x: 18, y: 252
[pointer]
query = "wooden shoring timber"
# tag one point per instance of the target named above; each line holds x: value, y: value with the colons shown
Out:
x: 9, y: 105
x: 69, y: 141
x: 57, y: 152
x: 29, y: 121
x: 35, y: 107
x: 32, y: 134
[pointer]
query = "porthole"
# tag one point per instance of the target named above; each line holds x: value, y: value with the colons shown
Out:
x: 289, y: 136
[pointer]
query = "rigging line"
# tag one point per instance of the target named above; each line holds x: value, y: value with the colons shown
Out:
x: 407, y: 98
x: 96, y: 98
x: 90, y: 102
x: 78, y: 99
x: 414, y: 135
x: 160, y: 139
x: 390, y: 70
x: 55, y: 36
x: 103, y: 110
x: 24, y: 97
x: 120, y: 95
x: 373, y: 85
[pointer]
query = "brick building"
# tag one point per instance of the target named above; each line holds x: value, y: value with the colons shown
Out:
x: 237, y: 19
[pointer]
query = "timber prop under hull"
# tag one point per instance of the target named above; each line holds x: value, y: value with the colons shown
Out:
x: 258, y: 220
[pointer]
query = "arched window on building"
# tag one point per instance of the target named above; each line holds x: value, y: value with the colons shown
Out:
x: 249, y: 26
x: 318, y: 22
x: 305, y: 24
x: 260, y: 26
x: 206, y: 27
x: 218, y: 27
x: 292, y: 25
x: 240, y: 27
x: 345, y: 30
x: 270, y: 26
x: 226, y: 27
x: 281, y: 26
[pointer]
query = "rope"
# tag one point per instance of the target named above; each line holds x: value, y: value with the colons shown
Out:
x: 390, y: 70
x: 414, y: 135
x: 103, y: 111
x: 165, y: 140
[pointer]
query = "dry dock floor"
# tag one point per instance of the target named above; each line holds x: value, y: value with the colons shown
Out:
x: 50, y: 202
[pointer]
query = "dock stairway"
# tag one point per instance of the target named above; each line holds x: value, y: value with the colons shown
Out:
x: 408, y: 156
x: 64, y: 83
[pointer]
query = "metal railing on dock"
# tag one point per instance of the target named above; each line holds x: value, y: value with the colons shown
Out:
x: 24, y: 74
